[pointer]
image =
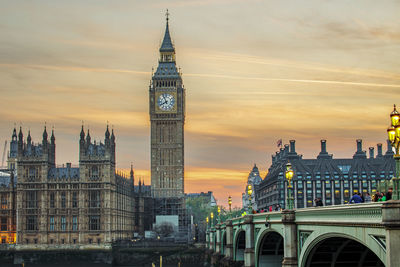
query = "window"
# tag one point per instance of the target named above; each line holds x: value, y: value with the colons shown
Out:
x: 327, y: 184
x: 346, y: 193
x: 337, y: 184
x: 318, y: 184
x: 74, y: 223
x: 4, y: 202
x: 63, y: 223
x: 94, y: 199
x: 31, y: 198
x: 62, y: 241
x: 33, y: 173
x: 31, y: 223
x: 74, y: 241
x: 94, y: 222
x: 52, y: 200
x: 51, y: 223
x: 337, y: 194
x: 35, y: 241
x: 51, y: 241
x: 344, y: 168
x: 3, y: 223
x: 94, y: 173
x: 98, y: 241
x: 299, y: 184
x: 309, y: 185
x: 355, y: 184
x: 63, y: 200
x: 75, y: 199
x: 90, y: 241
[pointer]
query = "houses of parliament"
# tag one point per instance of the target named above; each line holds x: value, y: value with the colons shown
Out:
x: 93, y: 205
x: 90, y: 205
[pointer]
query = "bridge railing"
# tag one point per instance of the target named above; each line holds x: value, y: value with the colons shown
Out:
x: 355, y: 214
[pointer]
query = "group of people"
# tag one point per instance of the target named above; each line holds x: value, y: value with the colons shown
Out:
x: 276, y: 207
x: 377, y: 197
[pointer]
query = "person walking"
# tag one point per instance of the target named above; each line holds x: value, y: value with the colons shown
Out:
x: 355, y: 199
x: 367, y: 197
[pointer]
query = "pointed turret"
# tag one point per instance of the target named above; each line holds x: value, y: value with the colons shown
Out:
x: 107, y: 134
x: 44, y: 141
x: 132, y: 176
x: 20, y: 135
x: 82, y: 134
x: 112, y: 136
x: 14, y: 135
x: 88, y: 137
x: 29, y: 138
x: 52, y: 138
x: 167, y: 45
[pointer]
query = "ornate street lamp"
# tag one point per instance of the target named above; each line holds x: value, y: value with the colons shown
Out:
x: 394, y: 139
x: 212, y: 219
x: 219, y: 214
x: 230, y: 203
x: 289, y: 175
x: 207, y: 221
x: 249, y: 193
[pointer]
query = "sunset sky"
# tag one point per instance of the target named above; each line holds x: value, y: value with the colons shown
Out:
x: 254, y: 72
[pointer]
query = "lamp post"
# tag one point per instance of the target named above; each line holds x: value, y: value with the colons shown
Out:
x: 207, y: 222
x: 249, y: 193
x: 212, y: 219
x: 219, y: 214
x: 394, y: 138
x: 230, y: 204
x: 289, y: 175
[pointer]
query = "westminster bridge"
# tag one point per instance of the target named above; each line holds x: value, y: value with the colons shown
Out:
x: 361, y: 235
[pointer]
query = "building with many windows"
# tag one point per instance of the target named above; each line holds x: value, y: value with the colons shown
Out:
x: 89, y: 204
x: 332, y: 180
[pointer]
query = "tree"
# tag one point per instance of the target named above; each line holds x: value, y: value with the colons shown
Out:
x: 164, y: 229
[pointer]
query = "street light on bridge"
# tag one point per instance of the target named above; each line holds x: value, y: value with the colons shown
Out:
x: 230, y: 203
x: 212, y: 218
x: 249, y: 192
x: 219, y: 214
x: 289, y: 175
x: 394, y: 139
x: 207, y: 221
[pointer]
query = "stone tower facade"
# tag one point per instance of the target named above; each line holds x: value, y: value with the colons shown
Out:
x: 167, y: 117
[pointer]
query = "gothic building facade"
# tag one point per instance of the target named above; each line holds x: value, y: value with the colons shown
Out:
x: 167, y: 118
x: 90, y: 204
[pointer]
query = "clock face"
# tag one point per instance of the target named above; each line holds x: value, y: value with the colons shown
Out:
x: 166, y: 102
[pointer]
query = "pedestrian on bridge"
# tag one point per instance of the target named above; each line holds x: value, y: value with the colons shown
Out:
x: 356, y: 199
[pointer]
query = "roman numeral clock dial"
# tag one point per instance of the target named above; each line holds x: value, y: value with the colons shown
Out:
x: 166, y: 102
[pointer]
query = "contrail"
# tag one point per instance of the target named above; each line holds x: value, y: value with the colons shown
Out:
x: 86, y: 69
x: 294, y: 80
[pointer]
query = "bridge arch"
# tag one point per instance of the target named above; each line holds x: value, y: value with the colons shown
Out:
x: 340, y: 249
x: 239, y: 245
x: 223, y: 242
x: 269, y: 249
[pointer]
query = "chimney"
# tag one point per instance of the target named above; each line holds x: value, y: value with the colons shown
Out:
x: 292, y: 146
x: 359, y: 145
x: 323, y: 147
x: 371, y: 153
x: 360, y: 154
x: 379, y: 146
x: 389, y: 152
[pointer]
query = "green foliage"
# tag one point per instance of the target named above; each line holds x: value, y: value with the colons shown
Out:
x: 200, y: 208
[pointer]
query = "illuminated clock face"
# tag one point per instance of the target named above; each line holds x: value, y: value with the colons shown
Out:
x: 166, y: 102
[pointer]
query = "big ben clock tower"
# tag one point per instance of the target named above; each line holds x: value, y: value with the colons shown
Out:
x: 167, y: 117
